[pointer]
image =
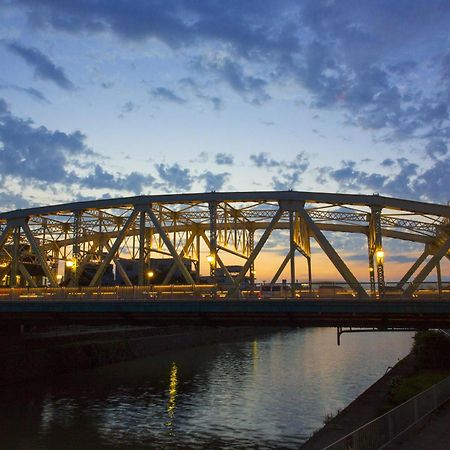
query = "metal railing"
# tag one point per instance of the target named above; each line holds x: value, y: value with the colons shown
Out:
x: 281, y: 291
x: 383, y: 430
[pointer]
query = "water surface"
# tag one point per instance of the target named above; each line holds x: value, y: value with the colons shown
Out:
x: 272, y: 391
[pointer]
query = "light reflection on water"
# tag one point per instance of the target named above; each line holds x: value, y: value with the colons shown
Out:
x: 268, y: 392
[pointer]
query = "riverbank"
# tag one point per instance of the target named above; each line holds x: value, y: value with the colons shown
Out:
x: 419, y: 370
x: 48, y: 352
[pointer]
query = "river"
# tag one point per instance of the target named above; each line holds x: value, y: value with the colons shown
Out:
x: 272, y: 391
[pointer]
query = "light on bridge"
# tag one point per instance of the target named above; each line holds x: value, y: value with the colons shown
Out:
x: 150, y: 274
x: 71, y: 264
x: 210, y: 259
x: 380, y: 257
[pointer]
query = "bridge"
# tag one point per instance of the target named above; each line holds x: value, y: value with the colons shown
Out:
x: 93, y: 254
x: 77, y: 244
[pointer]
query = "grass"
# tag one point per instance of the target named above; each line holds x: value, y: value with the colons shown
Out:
x: 402, y: 389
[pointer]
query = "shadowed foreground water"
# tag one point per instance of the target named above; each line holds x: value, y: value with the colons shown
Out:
x: 269, y: 392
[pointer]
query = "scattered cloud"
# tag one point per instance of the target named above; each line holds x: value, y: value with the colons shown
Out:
x: 44, y: 67
x: 214, y: 181
x: 31, y: 92
x: 175, y: 177
x: 224, y: 159
x: 164, y: 94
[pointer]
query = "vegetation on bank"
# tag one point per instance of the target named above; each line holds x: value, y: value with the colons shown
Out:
x: 431, y: 351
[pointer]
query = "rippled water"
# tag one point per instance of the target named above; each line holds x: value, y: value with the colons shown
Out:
x: 269, y: 392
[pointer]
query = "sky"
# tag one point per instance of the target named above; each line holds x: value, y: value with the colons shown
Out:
x: 116, y: 98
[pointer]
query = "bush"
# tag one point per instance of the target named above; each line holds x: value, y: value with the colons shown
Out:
x: 432, y: 350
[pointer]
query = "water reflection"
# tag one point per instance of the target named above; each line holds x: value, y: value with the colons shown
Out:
x: 171, y: 404
x: 268, y: 392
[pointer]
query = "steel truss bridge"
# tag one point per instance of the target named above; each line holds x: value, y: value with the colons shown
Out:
x: 36, y: 244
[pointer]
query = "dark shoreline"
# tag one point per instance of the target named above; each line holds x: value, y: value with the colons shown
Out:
x: 47, y: 353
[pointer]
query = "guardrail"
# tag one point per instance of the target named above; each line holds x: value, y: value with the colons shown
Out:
x: 326, y: 290
x: 379, y: 433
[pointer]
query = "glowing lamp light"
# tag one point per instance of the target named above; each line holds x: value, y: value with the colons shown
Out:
x: 210, y: 259
x: 150, y: 274
x: 380, y: 256
x: 70, y: 264
x: 59, y: 277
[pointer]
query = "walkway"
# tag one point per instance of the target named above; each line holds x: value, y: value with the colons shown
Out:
x: 434, y: 434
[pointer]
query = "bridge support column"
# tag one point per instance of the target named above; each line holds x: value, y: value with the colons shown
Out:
x: 15, y: 257
x: 212, y: 257
x: 439, y: 277
x: 251, y: 244
x: 376, y: 247
x: 292, y: 247
x: 141, y: 274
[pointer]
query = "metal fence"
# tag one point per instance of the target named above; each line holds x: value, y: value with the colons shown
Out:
x: 322, y: 290
x: 380, y: 432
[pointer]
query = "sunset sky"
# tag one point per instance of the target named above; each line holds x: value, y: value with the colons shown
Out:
x: 115, y: 98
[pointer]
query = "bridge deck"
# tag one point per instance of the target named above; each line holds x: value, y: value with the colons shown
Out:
x: 344, y: 312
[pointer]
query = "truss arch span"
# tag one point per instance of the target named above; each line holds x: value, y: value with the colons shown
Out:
x: 190, y: 238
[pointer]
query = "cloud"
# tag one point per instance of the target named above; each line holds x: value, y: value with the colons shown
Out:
x: 252, y: 89
x: 436, y: 147
x: 262, y: 160
x: 286, y: 181
x: 224, y: 159
x: 405, y: 179
x: 214, y: 181
x: 127, y: 108
x: 31, y: 92
x: 43, y: 67
x: 54, y: 161
x: 162, y: 93
x: 100, y: 179
x: 191, y: 84
x: 175, y: 177
x: 37, y: 153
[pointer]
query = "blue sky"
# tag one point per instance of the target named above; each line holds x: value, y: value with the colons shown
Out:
x: 115, y: 98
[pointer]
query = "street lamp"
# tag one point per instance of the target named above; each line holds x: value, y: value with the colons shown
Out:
x: 150, y: 274
x: 210, y: 259
x: 71, y: 264
x: 379, y: 255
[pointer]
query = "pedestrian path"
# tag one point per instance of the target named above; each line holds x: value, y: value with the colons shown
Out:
x: 433, y: 435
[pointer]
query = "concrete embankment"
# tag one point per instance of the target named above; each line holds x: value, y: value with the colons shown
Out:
x: 54, y: 351
x: 365, y: 408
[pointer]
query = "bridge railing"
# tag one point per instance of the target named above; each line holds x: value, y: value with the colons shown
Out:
x: 315, y: 291
x: 383, y: 430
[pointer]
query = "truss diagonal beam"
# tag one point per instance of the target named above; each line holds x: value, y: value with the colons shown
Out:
x: 413, y: 269
x: 178, y: 261
x: 333, y: 256
x: 281, y: 268
x: 114, y: 248
x: 84, y: 263
x: 27, y: 275
x: 258, y: 247
x: 39, y: 255
x: 173, y: 267
x: 429, y: 266
x: 120, y: 268
x: 5, y: 235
